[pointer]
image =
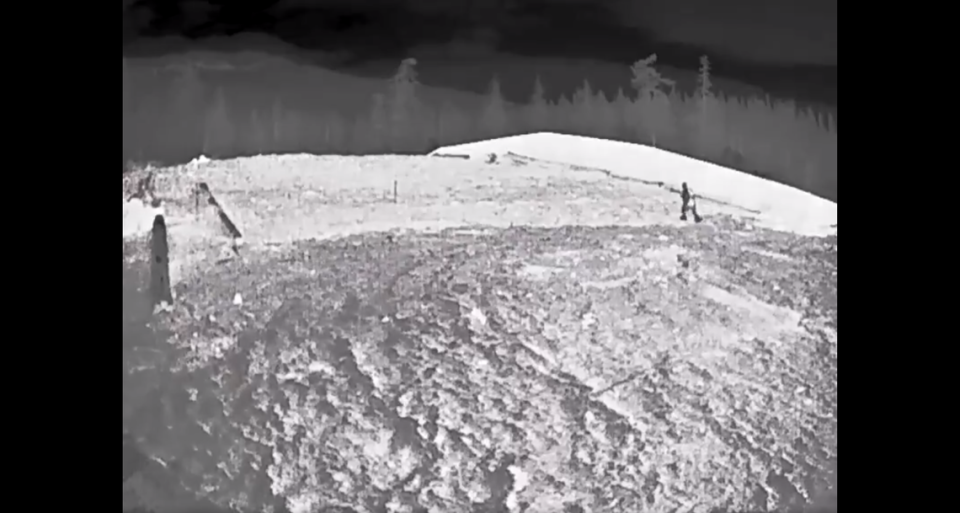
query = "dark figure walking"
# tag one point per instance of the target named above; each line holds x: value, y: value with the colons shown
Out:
x: 689, y: 203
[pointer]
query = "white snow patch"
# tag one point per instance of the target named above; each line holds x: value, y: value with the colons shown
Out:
x: 760, y: 313
x: 782, y: 207
x: 477, y: 318
x: 538, y: 272
x: 198, y: 161
x: 138, y: 218
x: 520, y: 481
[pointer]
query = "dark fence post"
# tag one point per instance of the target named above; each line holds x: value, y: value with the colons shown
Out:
x: 159, y: 263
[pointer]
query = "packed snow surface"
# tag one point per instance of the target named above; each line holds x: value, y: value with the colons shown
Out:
x: 782, y: 206
x: 534, y: 336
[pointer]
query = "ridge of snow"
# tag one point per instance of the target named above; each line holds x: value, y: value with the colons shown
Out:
x: 781, y: 206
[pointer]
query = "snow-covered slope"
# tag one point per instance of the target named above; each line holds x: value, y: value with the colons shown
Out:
x: 562, y: 340
x: 780, y: 206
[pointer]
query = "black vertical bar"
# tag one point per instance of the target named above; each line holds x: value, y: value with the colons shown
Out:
x: 159, y: 263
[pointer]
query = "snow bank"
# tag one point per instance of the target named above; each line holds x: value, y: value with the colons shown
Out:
x: 781, y: 206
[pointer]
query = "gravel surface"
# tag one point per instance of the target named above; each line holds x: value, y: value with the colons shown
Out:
x: 597, y: 368
x: 614, y: 369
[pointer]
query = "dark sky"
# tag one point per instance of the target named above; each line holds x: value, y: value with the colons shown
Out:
x: 781, y: 31
x: 746, y: 38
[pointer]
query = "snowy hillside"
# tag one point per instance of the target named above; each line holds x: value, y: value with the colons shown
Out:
x: 511, y: 334
x: 779, y: 206
x: 580, y: 159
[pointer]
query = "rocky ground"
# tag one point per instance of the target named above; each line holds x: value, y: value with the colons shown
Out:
x: 594, y: 367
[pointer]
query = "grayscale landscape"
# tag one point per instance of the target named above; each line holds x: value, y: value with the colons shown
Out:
x: 514, y: 336
x: 480, y: 256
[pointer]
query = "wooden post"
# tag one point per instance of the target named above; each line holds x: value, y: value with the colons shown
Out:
x: 159, y: 263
